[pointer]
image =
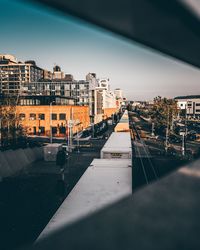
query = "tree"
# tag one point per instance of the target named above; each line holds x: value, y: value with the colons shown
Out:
x: 163, y: 113
x: 10, y: 128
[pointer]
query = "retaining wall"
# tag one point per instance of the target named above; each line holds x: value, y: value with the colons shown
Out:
x: 14, y: 161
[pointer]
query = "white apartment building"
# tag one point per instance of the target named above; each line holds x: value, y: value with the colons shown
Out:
x: 119, y: 93
x: 108, y: 96
x: 190, y: 103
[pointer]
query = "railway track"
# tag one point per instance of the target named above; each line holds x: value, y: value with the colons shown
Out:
x: 144, y: 169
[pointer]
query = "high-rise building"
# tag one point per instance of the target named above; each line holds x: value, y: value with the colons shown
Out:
x: 108, y: 97
x: 14, y: 73
x: 79, y: 90
x: 105, y: 100
x: 91, y: 78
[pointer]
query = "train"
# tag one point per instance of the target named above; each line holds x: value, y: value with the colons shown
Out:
x: 123, y: 124
x: 106, y: 180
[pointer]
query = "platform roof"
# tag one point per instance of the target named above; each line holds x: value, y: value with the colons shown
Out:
x: 91, y: 194
x: 171, y: 27
x: 118, y: 140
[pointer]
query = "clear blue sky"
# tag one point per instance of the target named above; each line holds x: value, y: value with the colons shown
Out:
x: 34, y: 32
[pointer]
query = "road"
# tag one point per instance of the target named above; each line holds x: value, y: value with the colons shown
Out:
x: 150, y: 162
x: 29, y: 200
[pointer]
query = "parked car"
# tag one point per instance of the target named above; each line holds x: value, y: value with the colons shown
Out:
x: 174, y: 139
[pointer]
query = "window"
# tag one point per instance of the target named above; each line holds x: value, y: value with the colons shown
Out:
x: 197, y: 104
x: 54, y: 116
x: 34, y: 130
x: 62, y: 130
x: 54, y: 130
x: 197, y: 110
x: 189, y: 105
x: 41, y: 130
x: 22, y: 116
x: 32, y: 116
x: 62, y: 117
x: 41, y: 116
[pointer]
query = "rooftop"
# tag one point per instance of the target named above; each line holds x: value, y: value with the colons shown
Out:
x: 187, y: 97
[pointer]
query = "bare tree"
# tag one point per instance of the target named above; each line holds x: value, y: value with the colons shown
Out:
x: 10, y: 126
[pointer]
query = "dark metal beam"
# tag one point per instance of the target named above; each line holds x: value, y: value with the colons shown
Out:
x: 167, y: 26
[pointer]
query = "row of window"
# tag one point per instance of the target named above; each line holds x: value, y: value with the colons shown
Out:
x: 55, y: 130
x: 33, y: 116
x: 190, y: 104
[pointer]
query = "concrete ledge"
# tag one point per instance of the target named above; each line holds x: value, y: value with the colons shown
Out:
x: 38, y: 151
x: 4, y: 166
x: 22, y: 158
x: 30, y: 154
x: 13, y: 161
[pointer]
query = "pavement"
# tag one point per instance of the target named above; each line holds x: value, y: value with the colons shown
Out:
x: 29, y: 200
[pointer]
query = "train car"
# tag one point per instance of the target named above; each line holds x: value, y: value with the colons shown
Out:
x: 118, y: 146
x: 104, y: 182
x: 123, y: 125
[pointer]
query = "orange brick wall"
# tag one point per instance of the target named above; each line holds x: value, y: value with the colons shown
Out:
x: 109, y: 111
x: 80, y: 114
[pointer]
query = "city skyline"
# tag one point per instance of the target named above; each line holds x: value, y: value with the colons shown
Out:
x: 78, y: 47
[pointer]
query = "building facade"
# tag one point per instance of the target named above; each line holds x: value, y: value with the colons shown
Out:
x: 39, y: 119
x: 191, y: 105
x: 119, y: 93
x: 14, y: 73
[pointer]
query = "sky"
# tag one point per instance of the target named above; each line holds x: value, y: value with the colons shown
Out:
x: 33, y: 32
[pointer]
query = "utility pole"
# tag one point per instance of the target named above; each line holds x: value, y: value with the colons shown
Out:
x: 152, y: 129
x: 70, y: 130
x: 68, y: 134
x: 78, y: 145
x: 172, y: 124
x: 167, y: 131
x: 50, y: 118
x: 183, y: 144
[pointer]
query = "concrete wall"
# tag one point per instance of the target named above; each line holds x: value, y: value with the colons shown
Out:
x: 14, y: 161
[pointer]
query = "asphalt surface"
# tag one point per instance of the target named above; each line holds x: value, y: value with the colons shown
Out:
x: 28, y: 201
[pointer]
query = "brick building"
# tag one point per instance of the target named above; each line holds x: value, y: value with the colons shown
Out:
x: 36, y: 119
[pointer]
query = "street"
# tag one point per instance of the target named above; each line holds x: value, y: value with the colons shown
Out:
x: 29, y: 200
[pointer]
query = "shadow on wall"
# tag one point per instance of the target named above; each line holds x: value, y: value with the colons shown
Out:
x: 14, y: 161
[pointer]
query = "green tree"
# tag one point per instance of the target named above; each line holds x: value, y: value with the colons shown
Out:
x: 163, y: 112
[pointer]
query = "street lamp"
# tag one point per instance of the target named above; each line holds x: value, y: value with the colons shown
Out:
x: 77, y: 138
x: 167, y: 132
x: 50, y: 118
x: 39, y: 129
